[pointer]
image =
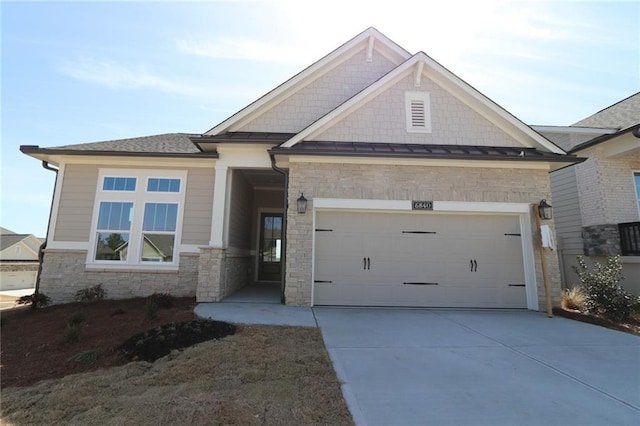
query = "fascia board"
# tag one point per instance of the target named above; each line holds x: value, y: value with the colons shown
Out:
x: 315, y: 70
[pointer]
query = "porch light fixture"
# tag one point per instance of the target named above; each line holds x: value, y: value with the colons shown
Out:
x: 544, y: 210
x: 302, y: 204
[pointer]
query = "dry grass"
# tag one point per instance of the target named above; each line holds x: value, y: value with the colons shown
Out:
x: 261, y: 375
x: 574, y: 299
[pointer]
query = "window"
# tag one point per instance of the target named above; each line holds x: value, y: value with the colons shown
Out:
x: 163, y: 185
x: 137, y: 225
x: 636, y: 179
x: 159, y: 227
x: 418, y: 112
x: 113, y: 229
x: 119, y: 184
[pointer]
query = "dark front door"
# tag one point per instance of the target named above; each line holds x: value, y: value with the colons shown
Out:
x: 270, y: 256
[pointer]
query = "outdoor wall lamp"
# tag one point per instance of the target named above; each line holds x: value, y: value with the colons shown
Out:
x: 302, y: 204
x: 544, y: 210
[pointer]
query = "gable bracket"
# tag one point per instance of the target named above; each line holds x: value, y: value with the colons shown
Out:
x: 417, y: 78
x: 370, y: 49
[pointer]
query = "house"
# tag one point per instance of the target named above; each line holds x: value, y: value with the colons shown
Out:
x: 373, y: 177
x: 18, y: 260
x: 597, y: 202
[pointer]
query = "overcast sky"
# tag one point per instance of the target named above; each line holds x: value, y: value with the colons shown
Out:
x: 83, y: 71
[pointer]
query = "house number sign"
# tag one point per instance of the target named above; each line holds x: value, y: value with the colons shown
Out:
x: 422, y: 205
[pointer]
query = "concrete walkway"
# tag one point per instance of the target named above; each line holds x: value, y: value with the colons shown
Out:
x: 421, y: 366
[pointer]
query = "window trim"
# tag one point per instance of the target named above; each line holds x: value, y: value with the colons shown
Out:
x: 140, y: 197
x: 425, y: 99
x: 636, y: 175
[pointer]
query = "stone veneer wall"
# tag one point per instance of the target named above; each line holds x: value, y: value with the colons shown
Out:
x: 601, y: 240
x: 64, y: 273
x: 388, y: 182
x: 221, y: 274
x: 8, y: 266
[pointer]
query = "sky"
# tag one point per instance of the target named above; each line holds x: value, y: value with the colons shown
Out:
x: 80, y: 71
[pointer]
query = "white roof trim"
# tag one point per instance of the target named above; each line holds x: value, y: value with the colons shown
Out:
x: 576, y: 130
x: 450, y: 82
x: 255, y: 108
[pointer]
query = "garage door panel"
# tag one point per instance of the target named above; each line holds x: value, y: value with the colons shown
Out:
x: 419, y: 260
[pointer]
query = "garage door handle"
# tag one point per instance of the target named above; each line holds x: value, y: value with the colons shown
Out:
x: 474, y: 265
x: 368, y: 263
x: 365, y: 263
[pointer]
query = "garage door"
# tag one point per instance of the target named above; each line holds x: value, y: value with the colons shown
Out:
x: 417, y: 259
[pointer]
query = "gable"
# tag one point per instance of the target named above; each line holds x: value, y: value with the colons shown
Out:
x: 321, y: 95
x: 385, y: 119
x: 370, y: 44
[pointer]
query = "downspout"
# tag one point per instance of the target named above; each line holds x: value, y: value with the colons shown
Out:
x: 285, y: 173
x: 43, y: 246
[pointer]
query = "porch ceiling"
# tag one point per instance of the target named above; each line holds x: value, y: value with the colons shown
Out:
x: 263, y: 178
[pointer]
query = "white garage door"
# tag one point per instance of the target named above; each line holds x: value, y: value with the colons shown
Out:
x: 417, y: 259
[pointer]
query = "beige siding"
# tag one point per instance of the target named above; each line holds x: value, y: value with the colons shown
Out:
x: 198, y: 206
x: 240, y: 212
x: 322, y: 95
x: 383, y: 119
x: 76, y: 203
x: 566, y: 210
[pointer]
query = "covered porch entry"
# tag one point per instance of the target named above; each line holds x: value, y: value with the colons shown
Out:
x: 248, y: 251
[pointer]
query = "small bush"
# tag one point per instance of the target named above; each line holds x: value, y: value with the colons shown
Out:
x: 574, y: 299
x: 151, y: 308
x: 90, y: 294
x: 604, y: 295
x: 35, y: 300
x: 72, y: 332
x: 77, y: 318
x: 87, y: 357
x: 165, y: 300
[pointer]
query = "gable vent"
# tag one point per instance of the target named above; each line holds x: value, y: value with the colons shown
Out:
x: 418, y: 112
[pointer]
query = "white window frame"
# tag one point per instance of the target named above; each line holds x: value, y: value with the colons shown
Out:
x: 425, y: 99
x: 636, y: 189
x: 140, y: 197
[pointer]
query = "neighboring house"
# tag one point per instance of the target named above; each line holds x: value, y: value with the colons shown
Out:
x: 18, y: 260
x: 597, y: 202
x: 420, y: 191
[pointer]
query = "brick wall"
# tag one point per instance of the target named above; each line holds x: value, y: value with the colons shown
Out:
x: 64, y: 273
x: 388, y: 182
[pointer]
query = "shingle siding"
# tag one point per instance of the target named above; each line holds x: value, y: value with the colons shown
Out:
x: 384, y: 119
x: 322, y: 95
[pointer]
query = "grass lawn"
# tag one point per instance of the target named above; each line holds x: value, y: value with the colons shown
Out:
x: 260, y: 375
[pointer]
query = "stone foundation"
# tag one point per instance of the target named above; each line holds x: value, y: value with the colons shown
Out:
x: 221, y: 274
x: 64, y: 273
x: 601, y: 240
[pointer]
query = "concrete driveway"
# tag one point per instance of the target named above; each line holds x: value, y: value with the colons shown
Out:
x: 441, y: 367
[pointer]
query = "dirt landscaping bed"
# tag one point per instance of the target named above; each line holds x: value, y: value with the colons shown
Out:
x: 260, y: 375
x: 632, y: 325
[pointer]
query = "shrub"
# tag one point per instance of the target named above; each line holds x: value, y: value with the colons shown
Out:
x: 87, y: 357
x: 36, y: 300
x: 77, y: 318
x: 151, y: 308
x: 90, y: 294
x: 165, y: 300
x: 574, y: 299
x: 72, y: 332
x: 604, y: 295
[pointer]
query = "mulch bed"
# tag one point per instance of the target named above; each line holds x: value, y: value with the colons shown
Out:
x: 34, y: 346
x: 632, y: 325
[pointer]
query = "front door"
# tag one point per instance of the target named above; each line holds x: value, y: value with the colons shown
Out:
x: 270, y: 256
